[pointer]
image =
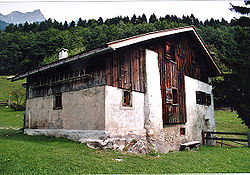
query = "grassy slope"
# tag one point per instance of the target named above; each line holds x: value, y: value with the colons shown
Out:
x: 6, y: 85
x: 227, y: 121
x: 23, y: 154
x: 8, y: 117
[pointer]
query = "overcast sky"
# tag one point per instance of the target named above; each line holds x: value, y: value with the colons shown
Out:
x: 68, y: 10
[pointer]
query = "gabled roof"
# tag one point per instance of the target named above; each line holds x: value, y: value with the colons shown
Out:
x: 112, y: 46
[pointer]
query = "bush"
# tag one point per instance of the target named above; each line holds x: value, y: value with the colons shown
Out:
x: 17, y: 98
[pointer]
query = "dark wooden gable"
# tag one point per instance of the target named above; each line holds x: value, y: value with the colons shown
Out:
x: 178, y: 55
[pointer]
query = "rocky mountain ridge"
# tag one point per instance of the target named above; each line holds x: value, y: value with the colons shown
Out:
x: 17, y: 17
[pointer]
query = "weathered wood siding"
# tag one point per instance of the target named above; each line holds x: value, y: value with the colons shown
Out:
x: 123, y: 69
x: 186, y: 61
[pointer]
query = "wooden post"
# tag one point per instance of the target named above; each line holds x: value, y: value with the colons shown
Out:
x: 221, y: 141
x: 248, y: 138
x: 203, y: 137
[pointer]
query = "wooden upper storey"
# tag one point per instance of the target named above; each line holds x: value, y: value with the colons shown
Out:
x: 121, y: 63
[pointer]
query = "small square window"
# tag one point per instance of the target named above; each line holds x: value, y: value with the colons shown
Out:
x: 127, y: 98
x: 202, y: 98
x: 58, y: 101
x: 183, y: 131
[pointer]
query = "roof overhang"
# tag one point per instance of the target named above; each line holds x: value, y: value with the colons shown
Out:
x: 85, y: 55
x: 112, y: 46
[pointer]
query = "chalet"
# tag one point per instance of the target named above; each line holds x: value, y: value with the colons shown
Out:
x: 154, y: 86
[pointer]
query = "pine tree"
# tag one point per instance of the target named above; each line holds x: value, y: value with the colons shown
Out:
x: 72, y: 24
x: 144, y: 18
x: 240, y: 65
x: 65, y: 25
x: 152, y: 18
x: 133, y: 19
x: 100, y: 21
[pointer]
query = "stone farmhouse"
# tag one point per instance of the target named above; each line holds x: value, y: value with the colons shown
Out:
x: 154, y: 87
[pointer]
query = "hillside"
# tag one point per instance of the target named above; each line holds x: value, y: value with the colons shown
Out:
x: 17, y: 17
x: 6, y: 87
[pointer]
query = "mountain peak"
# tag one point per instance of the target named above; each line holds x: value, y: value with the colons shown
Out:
x: 17, y: 17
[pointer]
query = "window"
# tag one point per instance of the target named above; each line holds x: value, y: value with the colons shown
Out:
x: 127, y: 98
x: 175, y: 96
x: 202, y: 98
x: 58, y: 101
x: 183, y: 131
x: 169, y: 95
x: 172, y: 96
x: 169, y: 51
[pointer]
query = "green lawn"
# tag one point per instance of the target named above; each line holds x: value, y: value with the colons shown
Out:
x: 10, y: 118
x: 23, y: 154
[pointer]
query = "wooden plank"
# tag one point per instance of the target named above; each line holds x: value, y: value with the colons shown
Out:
x: 142, y: 66
x: 125, y: 71
x: 115, y: 72
x: 229, y: 139
x: 131, y: 55
x: 137, y: 70
x: 108, y: 71
x: 111, y: 70
x: 190, y: 143
x: 225, y: 144
x: 225, y: 133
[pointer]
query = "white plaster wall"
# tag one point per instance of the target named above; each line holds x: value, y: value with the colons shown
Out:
x: 81, y: 110
x: 40, y: 114
x: 121, y: 120
x: 153, y: 100
x: 197, y: 114
x: 84, y: 109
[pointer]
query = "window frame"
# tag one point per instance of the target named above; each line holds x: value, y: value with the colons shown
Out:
x: 57, y: 101
x: 202, y: 98
x: 127, y: 98
x: 175, y: 96
x: 182, y: 131
x: 172, y: 96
